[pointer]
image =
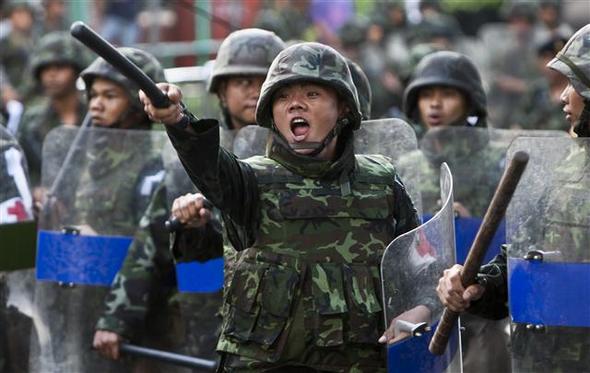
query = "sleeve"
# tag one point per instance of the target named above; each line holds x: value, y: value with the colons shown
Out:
x: 147, y: 274
x: 493, y: 277
x: 406, y: 216
x: 227, y: 182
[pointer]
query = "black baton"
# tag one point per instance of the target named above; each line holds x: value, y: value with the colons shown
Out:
x: 168, y: 357
x: 106, y: 50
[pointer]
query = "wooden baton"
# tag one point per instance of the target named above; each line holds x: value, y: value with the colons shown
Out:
x: 485, y: 234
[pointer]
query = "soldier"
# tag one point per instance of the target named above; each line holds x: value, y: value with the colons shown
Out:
x: 111, y: 179
x: 55, y: 66
x: 240, y: 68
x: 18, y: 44
x: 565, y: 349
x: 446, y: 90
x: 309, y: 217
x: 447, y: 100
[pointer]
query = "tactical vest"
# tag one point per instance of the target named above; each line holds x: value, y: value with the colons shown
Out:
x: 317, y: 252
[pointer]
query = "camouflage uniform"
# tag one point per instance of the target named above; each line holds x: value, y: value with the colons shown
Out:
x: 54, y: 49
x: 16, y: 50
x: 304, y: 292
x: 477, y: 166
x: 564, y: 209
x: 128, y: 306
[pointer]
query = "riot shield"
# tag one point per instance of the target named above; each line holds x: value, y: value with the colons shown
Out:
x: 477, y: 164
x: 250, y: 141
x: 548, y: 227
x: 93, y: 205
x: 410, y: 269
x: 394, y: 139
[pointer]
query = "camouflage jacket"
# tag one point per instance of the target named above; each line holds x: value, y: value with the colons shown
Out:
x: 148, y: 272
x: 16, y: 51
x: 311, y: 240
x: 116, y: 183
x: 35, y: 124
x: 146, y: 283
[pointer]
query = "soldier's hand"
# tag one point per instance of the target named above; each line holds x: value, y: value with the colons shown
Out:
x: 416, y: 315
x: 461, y: 210
x: 451, y: 292
x: 170, y: 115
x: 107, y: 343
x: 190, y: 210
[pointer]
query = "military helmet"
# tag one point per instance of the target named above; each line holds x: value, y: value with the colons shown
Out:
x: 59, y: 48
x: 102, y: 69
x: 573, y: 61
x: 245, y: 52
x: 363, y: 88
x: 449, y: 69
x: 308, y: 62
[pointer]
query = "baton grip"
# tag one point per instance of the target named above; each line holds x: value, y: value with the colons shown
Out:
x: 109, y: 53
x: 485, y: 234
x: 174, y: 225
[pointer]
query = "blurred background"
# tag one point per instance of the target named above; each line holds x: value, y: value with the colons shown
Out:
x: 510, y: 41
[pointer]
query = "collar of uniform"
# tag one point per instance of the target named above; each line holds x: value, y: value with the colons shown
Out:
x: 312, y: 167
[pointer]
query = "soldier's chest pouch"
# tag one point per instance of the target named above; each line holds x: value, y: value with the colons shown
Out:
x: 327, y: 201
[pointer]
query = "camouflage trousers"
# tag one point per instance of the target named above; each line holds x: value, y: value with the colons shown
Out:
x: 560, y: 350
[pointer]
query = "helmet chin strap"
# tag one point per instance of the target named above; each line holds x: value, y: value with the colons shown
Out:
x: 582, y: 128
x: 318, y: 147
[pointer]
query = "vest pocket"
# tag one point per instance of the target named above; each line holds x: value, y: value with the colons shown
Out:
x: 261, y: 313
x: 330, y: 303
x: 346, y: 303
x: 242, y: 299
x: 365, y: 306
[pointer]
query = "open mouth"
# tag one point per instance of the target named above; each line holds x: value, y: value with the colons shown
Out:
x: 299, y: 128
x: 434, y: 119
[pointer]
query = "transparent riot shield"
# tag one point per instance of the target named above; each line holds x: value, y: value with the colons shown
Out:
x: 98, y: 183
x: 410, y: 269
x: 477, y: 164
x: 394, y: 139
x: 250, y: 141
x: 548, y: 226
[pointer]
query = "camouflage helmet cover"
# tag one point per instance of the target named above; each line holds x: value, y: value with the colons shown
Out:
x: 59, y: 48
x: 245, y: 52
x: 308, y: 62
x: 450, y: 69
x: 363, y: 88
x: 573, y: 61
x: 144, y: 60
